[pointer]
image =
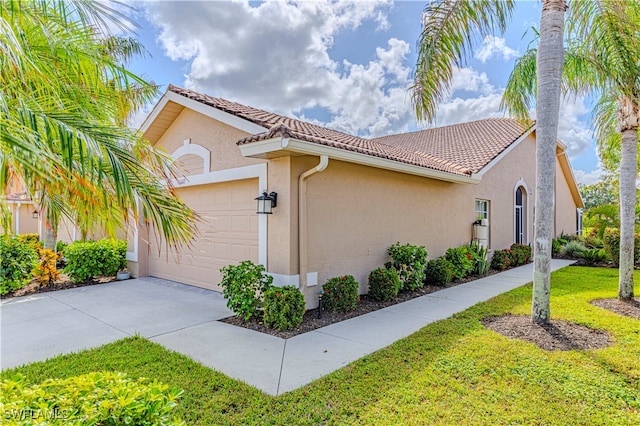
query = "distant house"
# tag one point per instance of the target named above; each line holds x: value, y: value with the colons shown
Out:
x: 342, y: 200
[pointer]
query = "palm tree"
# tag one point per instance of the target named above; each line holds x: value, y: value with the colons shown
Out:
x: 603, y: 53
x: 65, y: 97
x: 449, y: 30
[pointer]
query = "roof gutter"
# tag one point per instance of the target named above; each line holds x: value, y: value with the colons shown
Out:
x: 281, y: 144
x: 302, y: 218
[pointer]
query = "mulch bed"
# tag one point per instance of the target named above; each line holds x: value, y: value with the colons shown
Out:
x: 62, y: 283
x: 630, y: 308
x: 558, y: 335
x: 311, y: 322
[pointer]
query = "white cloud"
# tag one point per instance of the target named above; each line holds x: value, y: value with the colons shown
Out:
x: 495, y: 47
x: 470, y: 80
x: 589, y: 178
x: 459, y: 110
x: 573, y: 130
x: 276, y: 56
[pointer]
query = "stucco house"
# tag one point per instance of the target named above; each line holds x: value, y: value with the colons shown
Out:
x: 342, y: 200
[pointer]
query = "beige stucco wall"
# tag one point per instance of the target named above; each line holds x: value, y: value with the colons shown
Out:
x: 566, y: 214
x: 22, y: 219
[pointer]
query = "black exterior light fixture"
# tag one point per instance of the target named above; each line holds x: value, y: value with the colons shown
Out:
x: 266, y: 202
x: 35, y: 214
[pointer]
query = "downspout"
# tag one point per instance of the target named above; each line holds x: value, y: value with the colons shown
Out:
x: 302, y: 218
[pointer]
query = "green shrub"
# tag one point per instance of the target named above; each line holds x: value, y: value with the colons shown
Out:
x: 462, y: 261
x: 573, y: 249
x: 556, y: 246
x: 592, y: 242
x: 243, y: 286
x: 611, y: 242
x: 439, y: 272
x: 283, y: 307
x: 61, y: 245
x: 521, y: 253
x: 501, y: 260
x: 103, y: 398
x: 409, y: 262
x: 340, y: 294
x: 479, y: 253
x: 90, y: 259
x: 593, y: 256
x: 384, y: 284
x: 17, y: 261
x: 31, y: 239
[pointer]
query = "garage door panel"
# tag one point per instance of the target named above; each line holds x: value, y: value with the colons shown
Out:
x: 228, y: 234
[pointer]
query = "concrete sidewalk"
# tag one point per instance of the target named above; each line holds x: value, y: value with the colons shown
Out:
x: 184, y: 319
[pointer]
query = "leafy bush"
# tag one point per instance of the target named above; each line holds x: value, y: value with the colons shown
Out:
x: 501, y: 260
x: 283, y: 307
x: 60, y: 246
x: 556, y: 246
x: 45, y: 271
x: 573, y: 249
x: 30, y: 239
x: 103, y: 398
x: 462, y: 261
x: 243, y: 286
x: 593, y: 256
x: 409, y: 262
x: 479, y: 253
x: 340, y: 294
x: 593, y: 242
x: 384, y: 284
x: 439, y: 272
x: 521, y: 253
x: 611, y: 241
x: 90, y: 259
x: 17, y: 260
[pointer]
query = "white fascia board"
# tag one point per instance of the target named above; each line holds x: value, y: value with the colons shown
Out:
x: 227, y: 175
x: 209, y: 111
x: 503, y: 154
x: 304, y: 147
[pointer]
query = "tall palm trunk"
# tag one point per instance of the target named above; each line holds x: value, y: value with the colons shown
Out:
x: 549, y: 67
x: 628, y: 122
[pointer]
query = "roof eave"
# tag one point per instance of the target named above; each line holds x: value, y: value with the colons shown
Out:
x: 260, y: 148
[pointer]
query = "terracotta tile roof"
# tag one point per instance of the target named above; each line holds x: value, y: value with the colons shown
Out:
x: 469, y: 145
x: 460, y: 149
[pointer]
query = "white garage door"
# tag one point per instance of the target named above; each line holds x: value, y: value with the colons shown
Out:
x: 228, y: 234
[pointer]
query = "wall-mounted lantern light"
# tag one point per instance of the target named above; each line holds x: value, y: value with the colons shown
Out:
x: 35, y: 214
x: 266, y: 202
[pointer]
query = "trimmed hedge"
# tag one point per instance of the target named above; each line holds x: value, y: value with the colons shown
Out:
x: 17, y: 261
x: 283, y: 307
x: 340, y: 294
x: 439, y: 272
x: 611, y: 242
x: 90, y: 259
x: 102, y: 398
x: 384, y: 284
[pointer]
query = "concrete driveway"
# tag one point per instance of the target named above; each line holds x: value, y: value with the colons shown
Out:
x: 37, y: 327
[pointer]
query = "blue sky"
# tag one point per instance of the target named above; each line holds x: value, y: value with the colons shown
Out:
x: 346, y: 65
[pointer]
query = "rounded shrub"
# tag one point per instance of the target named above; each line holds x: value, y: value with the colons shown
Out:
x: 283, y: 308
x: 520, y: 253
x: 462, y: 261
x: 90, y: 259
x: 243, y: 286
x: 409, y: 262
x: 340, y: 294
x: 17, y: 261
x: 573, y: 249
x: 611, y: 242
x: 384, y: 284
x: 501, y: 260
x: 439, y: 272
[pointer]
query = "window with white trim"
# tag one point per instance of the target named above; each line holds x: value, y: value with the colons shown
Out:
x: 482, y: 209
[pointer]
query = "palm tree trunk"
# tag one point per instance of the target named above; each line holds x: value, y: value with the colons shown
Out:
x: 628, y: 121
x: 549, y: 67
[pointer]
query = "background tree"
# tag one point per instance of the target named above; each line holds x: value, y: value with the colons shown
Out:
x: 66, y: 94
x: 603, y: 53
x: 449, y: 31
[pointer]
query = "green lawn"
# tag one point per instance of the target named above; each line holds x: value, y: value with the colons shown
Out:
x: 453, y: 371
